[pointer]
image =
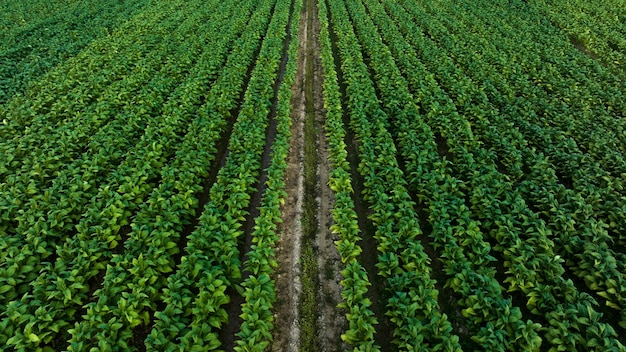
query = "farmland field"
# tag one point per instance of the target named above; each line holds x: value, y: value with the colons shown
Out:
x: 313, y: 175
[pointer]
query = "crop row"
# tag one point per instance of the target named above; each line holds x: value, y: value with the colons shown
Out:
x: 597, y: 181
x: 255, y: 333
x: 361, y: 320
x: 81, y: 80
x: 146, y: 258
x: 582, y: 240
x: 484, y: 189
x: 466, y: 257
x: 211, y: 266
x: 54, y: 210
x: 456, y: 147
x: 599, y: 98
x: 48, y: 215
x: 65, y: 284
x: 597, y: 27
x: 412, y: 297
x: 48, y: 39
x: 579, y: 94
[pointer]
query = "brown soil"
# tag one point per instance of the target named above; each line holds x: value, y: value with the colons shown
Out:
x: 307, y: 104
x: 288, y: 284
x: 332, y: 322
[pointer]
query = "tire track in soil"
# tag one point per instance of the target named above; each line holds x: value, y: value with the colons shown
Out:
x: 309, y: 200
x: 288, y: 250
x: 331, y: 321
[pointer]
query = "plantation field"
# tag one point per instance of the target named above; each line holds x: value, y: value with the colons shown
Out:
x: 318, y: 175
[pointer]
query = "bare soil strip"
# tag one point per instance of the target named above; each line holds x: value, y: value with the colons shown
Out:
x: 309, y: 272
x: 288, y: 285
x: 331, y: 320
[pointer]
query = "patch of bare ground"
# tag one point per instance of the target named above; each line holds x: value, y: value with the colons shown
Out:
x: 332, y: 322
x: 288, y: 283
x: 308, y: 277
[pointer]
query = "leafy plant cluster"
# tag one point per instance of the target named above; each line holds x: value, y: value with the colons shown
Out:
x: 412, y: 305
x: 211, y: 266
x: 485, y: 113
x: 69, y: 88
x: 501, y: 182
x: 77, y: 157
x: 355, y: 284
x: 534, y: 231
x: 583, y: 240
x: 54, y: 185
x: 199, y: 272
x: 574, y: 115
x: 495, y: 323
x: 600, y: 26
x: 82, y: 258
x: 576, y: 213
x: 40, y: 36
x: 255, y: 333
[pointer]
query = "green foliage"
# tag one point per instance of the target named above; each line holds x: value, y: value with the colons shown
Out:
x: 503, y: 120
x: 420, y: 323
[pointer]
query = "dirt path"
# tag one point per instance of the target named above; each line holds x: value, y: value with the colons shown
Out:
x: 309, y: 272
x: 288, y: 285
x: 332, y: 322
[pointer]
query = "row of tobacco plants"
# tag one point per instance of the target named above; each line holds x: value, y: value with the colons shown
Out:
x: 125, y: 228
x: 486, y: 126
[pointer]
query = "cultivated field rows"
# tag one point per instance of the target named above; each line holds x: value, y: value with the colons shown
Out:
x: 327, y: 175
